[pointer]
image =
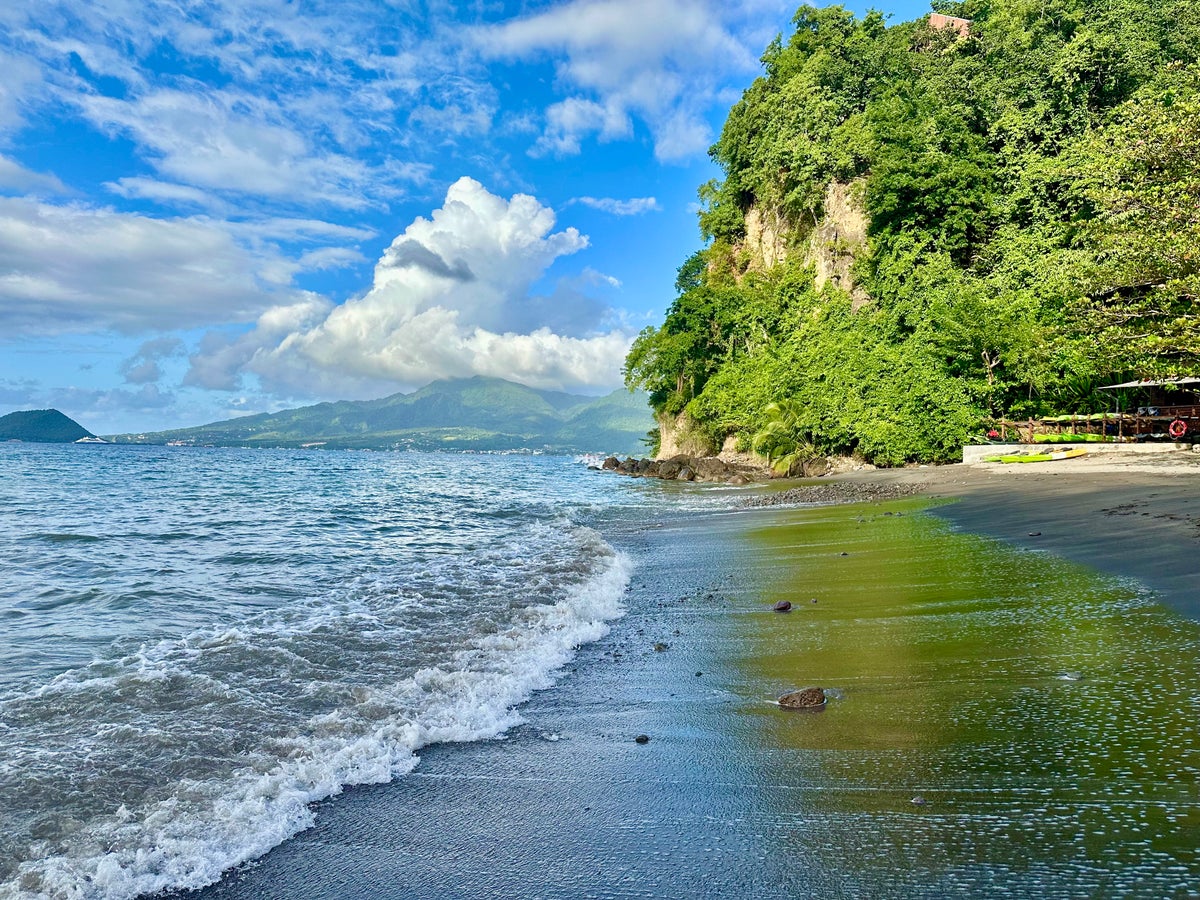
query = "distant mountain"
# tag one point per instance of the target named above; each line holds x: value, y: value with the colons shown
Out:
x: 43, y: 426
x: 456, y: 414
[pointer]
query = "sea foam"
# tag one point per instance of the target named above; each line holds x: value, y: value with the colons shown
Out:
x: 205, y: 752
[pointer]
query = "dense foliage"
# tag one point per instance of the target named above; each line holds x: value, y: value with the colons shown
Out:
x: 1033, y: 198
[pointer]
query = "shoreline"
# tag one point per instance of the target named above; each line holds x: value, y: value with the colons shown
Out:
x: 731, y: 797
x: 1135, y: 518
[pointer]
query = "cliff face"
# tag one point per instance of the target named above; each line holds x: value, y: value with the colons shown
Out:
x: 839, y: 239
x: 678, y: 436
x: 830, y: 246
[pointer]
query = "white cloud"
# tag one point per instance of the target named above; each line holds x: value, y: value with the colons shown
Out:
x: 452, y: 296
x: 573, y: 119
x: 21, y: 85
x: 163, y: 192
x: 15, y: 176
x: 76, y: 268
x: 634, y: 206
x: 143, y: 367
x: 664, y: 62
x: 230, y: 141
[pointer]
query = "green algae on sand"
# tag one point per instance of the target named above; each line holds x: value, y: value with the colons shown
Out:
x: 999, y: 718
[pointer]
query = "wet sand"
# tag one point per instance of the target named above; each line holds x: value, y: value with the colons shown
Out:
x: 1036, y: 781
x: 569, y: 805
x: 1133, y: 517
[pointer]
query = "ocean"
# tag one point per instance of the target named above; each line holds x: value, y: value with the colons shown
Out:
x: 204, y: 651
x: 199, y: 643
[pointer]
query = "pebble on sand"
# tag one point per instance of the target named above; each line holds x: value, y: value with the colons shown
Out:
x: 642, y: 739
x: 806, y: 698
x: 782, y: 606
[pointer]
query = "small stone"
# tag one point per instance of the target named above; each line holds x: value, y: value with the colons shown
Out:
x: 844, y: 553
x: 814, y: 599
x: 698, y: 674
x: 806, y: 698
x: 642, y: 739
x: 782, y: 606
x: 660, y: 646
x: 1035, y: 534
x: 918, y: 800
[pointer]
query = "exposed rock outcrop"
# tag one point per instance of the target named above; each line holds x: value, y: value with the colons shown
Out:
x: 839, y: 239
x: 685, y: 468
x: 678, y: 436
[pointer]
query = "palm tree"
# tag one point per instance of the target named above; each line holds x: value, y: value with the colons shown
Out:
x: 782, y: 439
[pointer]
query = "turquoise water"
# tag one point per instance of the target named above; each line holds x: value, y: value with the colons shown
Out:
x: 195, y: 644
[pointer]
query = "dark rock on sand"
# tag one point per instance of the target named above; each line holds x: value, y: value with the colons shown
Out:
x: 642, y: 739
x: 659, y: 647
x: 806, y: 698
x: 782, y: 606
x: 686, y: 468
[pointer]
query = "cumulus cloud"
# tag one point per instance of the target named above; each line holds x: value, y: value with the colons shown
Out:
x: 634, y: 206
x: 143, y: 367
x: 452, y: 296
x: 76, y: 268
x: 664, y: 62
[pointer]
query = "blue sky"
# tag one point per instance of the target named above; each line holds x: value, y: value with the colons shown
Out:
x: 219, y: 207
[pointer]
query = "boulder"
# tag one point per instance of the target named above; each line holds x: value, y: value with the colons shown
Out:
x: 686, y: 474
x: 611, y: 464
x: 806, y: 698
x: 738, y: 480
x: 668, y: 469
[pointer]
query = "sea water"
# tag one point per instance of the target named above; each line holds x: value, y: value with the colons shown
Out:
x: 196, y: 644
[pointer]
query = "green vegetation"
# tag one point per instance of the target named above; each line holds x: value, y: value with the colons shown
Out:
x: 44, y: 426
x: 456, y: 414
x: 1030, y: 206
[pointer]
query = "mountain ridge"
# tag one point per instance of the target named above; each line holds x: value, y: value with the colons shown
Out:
x: 475, y: 413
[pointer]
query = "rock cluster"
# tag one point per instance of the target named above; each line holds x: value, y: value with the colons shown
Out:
x: 684, y: 468
x: 836, y: 492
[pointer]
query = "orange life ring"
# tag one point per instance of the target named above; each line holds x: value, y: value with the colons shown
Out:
x: 1177, y: 429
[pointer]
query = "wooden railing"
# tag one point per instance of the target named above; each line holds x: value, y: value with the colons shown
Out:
x: 1115, y: 426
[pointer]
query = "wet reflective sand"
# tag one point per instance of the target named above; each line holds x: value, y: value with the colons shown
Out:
x: 1048, y: 719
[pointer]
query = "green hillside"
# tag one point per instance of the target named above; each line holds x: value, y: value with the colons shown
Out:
x: 46, y: 426
x: 928, y: 224
x: 456, y: 414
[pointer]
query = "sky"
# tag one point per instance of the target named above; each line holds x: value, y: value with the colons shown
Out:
x: 211, y: 208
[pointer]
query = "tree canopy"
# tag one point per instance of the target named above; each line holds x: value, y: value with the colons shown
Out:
x: 1032, y: 199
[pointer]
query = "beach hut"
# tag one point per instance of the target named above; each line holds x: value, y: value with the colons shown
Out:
x: 1167, y: 406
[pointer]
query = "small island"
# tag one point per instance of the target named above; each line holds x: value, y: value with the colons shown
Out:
x: 43, y: 426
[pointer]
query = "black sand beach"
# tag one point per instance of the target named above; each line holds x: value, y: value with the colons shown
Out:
x: 999, y: 765
x: 569, y: 805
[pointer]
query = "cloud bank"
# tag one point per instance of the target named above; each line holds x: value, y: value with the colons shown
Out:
x: 453, y: 295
